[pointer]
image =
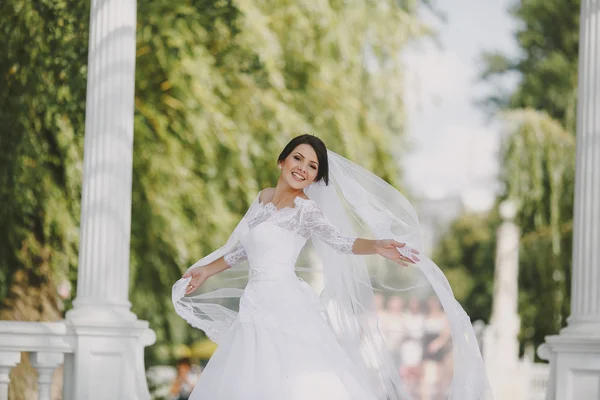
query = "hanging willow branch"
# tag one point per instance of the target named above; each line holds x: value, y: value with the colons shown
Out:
x: 539, y: 159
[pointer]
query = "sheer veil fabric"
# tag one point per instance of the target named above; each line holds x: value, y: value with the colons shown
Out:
x: 359, y: 204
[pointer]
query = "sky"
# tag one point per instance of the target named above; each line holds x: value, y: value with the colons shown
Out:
x: 453, y: 144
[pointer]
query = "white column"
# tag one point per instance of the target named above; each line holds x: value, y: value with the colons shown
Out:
x: 103, y: 276
x: 585, y: 296
x: 506, y: 280
x: 575, y: 353
x: 108, y: 360
x: 501, y: 336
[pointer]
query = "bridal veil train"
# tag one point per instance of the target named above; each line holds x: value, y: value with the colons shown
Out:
x: 280, y: 339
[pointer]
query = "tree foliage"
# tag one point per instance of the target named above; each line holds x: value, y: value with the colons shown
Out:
x: 548, y: 38
x: 42, y: 101
x: 539, y: 169
x: 466, y: 254
x: 42, y: 104
x: 538, y: 156
x: 221, y: 86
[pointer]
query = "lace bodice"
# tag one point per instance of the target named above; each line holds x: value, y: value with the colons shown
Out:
x: 304, y: 220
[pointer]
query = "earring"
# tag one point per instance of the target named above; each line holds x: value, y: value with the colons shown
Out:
x: 280, y: 167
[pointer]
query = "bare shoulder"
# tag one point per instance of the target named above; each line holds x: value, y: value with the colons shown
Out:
x: 266, y: 195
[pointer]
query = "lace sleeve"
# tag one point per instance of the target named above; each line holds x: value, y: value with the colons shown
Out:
x: 235, y: 255
x: 318, y: 224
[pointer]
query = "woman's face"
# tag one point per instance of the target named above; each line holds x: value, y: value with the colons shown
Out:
x: 300, y: 168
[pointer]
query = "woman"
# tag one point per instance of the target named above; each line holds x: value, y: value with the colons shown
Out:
x: 286, y: 342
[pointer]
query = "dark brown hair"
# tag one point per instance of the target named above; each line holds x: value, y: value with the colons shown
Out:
x: 320, y: 149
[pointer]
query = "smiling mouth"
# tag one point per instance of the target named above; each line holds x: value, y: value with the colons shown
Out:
x: 298, y: 176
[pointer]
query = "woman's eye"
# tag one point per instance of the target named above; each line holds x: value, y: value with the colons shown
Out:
x: 297, y: 158
x: 313, y: 167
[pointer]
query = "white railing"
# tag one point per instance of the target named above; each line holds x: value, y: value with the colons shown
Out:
x: 523, y: 380
x: 537, y: 381
x: 48, y: 344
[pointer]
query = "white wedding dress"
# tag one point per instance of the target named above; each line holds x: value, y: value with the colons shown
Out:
x: 279, y: 340
x: 281, y: 345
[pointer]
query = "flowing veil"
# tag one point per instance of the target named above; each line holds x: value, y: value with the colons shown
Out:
x: 359, y: 204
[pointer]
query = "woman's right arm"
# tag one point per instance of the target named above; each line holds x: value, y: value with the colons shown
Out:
x: 201, y: 274
x: 236, y: 255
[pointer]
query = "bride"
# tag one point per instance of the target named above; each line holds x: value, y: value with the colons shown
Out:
x: 287, y: 342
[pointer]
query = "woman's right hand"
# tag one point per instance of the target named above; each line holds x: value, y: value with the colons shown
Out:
x: 198, y: 275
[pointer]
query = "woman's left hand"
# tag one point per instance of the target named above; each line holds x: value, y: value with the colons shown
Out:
x: 388, y: 248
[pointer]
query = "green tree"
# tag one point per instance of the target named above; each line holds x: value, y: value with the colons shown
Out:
x: 220, y: 88
x: 538, y: 155
x: 548, y: 37
x: 219, y: 94
x: 42, y: 102
x: 539, y: 169
x: 466, y: 254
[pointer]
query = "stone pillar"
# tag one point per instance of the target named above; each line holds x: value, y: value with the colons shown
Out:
x: 506, y: 280
x: 103, y: 275
x: 574, y: 354
x: 501, y: 342
x: 108, y: 360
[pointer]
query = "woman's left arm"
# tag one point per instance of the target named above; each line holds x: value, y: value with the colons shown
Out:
x: 388, y: 248
x: 319, y: 225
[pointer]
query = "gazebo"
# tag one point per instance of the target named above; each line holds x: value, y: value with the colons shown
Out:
x: 101, y: 342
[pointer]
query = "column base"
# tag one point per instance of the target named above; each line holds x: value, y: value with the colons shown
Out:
x: 574, y: 357
x: 108, y: 361
x: 582, y: 325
